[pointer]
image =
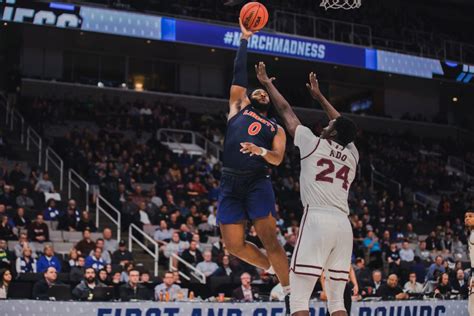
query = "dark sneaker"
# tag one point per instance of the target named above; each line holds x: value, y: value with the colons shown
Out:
x: 287, y: 305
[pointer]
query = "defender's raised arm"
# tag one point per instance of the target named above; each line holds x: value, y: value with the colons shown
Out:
x: 281, y: 105
x: 313, y: 87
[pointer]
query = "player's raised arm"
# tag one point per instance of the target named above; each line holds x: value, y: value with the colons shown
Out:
x: 281, y: 105
x: 238, y: 91
x: 313, y: 87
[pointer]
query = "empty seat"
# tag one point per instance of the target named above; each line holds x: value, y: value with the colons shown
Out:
x: 55, y: 235
x: 11, y: 244
x: 63, y: 247
x: 72, y: 236
x: 52, y: 225
x: 95, y: 236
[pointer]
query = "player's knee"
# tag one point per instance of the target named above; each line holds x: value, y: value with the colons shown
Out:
x: 298, y: 304
x: 270, y: 243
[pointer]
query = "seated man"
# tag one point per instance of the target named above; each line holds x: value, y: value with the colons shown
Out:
x: 167, y: 291
x: 40, y: 289
x: 413, y: 287
x: 245, y: 292
x: 84, y: 290
x: 208, y: 267
x: 133, y: 290
x: 391, y: 290
x: 38, y: 230
x: 86, y: 245
x: 95, y: 260
x: 48, y: 259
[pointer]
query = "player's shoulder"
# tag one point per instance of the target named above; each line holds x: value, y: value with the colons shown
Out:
x: 353, y: 150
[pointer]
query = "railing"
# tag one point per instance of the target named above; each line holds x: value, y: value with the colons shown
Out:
x: 75, y: 179
x: 103, y: 206
x: 131, y: 238
x: 386, y: 182
x: 182, y: 137
x: 459, y: 164
x: 425, y: 200
x: 194, y: 272
x: 34, y: 139
x: 51, y: 157
x: 15, y: 115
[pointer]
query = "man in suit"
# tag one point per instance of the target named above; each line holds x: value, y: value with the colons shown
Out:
x: 245, y: 292
x: 133, y: 290
x: 460, y: 284
x: 40, y: 289
x: 374, y: 285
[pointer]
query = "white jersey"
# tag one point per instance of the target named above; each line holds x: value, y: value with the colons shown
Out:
x: 327, y: 171
x: 471, y: 247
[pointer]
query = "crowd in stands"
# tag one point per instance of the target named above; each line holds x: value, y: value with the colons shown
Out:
x: 397, y: 255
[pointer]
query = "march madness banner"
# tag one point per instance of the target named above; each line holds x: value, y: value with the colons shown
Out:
x: 401, y: 308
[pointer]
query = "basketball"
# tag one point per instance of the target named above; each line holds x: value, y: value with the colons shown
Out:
x: 254, y: 16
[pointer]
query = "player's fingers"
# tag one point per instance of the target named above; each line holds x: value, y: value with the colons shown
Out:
x: 272, y: 78
x: 308, y: 86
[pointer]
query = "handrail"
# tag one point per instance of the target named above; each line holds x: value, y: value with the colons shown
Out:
x: 59, y: 164
x: 154, y: 254
x: 14, y: 113
x: 34, y: 138
x: 379, y: 178
x: 209, y: 147
x: 425, y: 200
x: 195, y: 272
x: 72, y: 173
x: 100, y: 208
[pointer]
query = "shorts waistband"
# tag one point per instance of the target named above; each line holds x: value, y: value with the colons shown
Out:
x: 327, y: 210
x: 243, y: 173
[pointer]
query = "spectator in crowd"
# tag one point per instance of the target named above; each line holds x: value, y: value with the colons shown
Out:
x: 375, y: 284
x: 290, y: 244
x: 38, y: 231
x: 423, y: 253
x: 393, y: 259
x: 226, y: 269
x: 443, y: 290
x: 48, y: 259
x: 103, y: 277
x: 17, y: 175
x: 167, y: 291
x: 95, y: 261
x: 51, y: 213
x: 50, y: 278
x: 371, y: 243
x: 105, y: 254
x: 457, y: 247
x: 192, y: 255
x: 86, y: 245
x: 433, y: 242
x: 69, y: 220
x: 245, y: 292
x: 208, y: 267
x: 26, y: 263
x: 363, y: 274
x: 24, y: 201
x: 438, y: 265
x: 77, y: 271
x: 122, y: 256
x: 5, y: 279
x: 6, y: 230
x: 163, y: 234
x: 133, y: 290
x: 86, y: 223
x: 22, y: 243
x: 391, y: 290
x: 407, y: 255
x: 412, y: 286
x: 20, y: 220
x: 7, y: 199
x: 6, y: 257
x: 84, y: 291
x: 460, y: 285
x: 44, y: 185
x: 175, y: 246
x: 410, y: 234
x: 110, y: 244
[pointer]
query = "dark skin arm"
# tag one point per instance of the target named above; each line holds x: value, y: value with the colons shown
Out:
x: 275, y: 155
x: 313, y: 87
x: 282, y: 106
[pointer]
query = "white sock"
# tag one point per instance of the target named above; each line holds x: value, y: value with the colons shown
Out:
x: 270, y: 270
x: 286, y: 290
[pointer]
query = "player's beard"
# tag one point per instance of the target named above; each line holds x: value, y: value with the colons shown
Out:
x: 261, y: 107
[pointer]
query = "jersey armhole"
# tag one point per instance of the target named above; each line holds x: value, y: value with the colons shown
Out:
x: 312, y: 152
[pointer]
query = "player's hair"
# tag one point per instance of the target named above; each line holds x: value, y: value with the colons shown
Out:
x: 346, y: 130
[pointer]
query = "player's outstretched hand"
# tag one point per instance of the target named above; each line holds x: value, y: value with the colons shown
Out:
x: 252, y: 149
x: 262, y: 76
x: 246, y: 34
x: 313, y: 86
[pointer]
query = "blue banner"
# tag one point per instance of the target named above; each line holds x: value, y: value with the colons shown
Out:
x: 267, y: 43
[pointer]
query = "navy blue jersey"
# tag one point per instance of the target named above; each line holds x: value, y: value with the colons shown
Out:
x: 248, y: 126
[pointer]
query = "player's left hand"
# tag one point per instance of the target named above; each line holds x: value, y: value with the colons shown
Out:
x: 262, y: 76
x: 355, y: 290
x: 252, y: 149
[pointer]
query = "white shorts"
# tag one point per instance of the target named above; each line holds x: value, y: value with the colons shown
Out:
x: 470, y: 299
x: 324, y: 243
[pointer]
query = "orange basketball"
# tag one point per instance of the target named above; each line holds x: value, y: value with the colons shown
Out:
x: 254, y: 16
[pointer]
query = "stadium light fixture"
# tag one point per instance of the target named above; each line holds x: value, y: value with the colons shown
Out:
x: 455, y: 99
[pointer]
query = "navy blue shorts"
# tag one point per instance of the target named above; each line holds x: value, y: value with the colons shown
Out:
x: 245, y: 197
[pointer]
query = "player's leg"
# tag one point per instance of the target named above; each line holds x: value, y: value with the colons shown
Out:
x: 302, y: 287
x: 234, y: 240
x: 337, y: 267
x: 470, y: 299
x: 261, y: 209
x: 266, y: 231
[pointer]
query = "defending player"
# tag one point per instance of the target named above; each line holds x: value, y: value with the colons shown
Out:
x: 469, y: 222
x: 252, y: 142
x: 328, y: 167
